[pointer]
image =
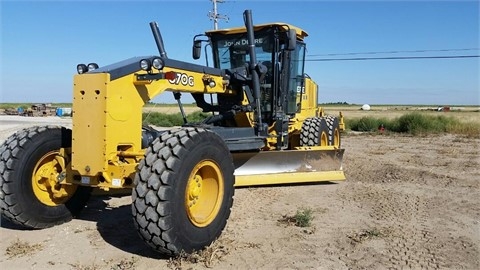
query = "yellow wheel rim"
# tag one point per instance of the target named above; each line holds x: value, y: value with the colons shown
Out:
x: 336, y: 138
x: 45, y: 178
x: 204, y: 193
x: 323, y: 139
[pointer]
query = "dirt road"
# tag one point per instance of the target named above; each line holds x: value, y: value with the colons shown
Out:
x: 408, y: 203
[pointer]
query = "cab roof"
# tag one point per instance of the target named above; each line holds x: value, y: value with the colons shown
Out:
x: 301, y: 34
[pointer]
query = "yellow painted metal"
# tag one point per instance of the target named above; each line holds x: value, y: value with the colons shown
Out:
x: 204, y: 193
x: 288, y: 178
x: 336, y: 137
x: 309, y: 105
x: 89, y: 142
x: 324, y: 138
x: 185, y: 81
x: 45, y: 176
x: 301, y: 34
x: 317, y: 148
x: 341, y: 122
x: 107, y: 120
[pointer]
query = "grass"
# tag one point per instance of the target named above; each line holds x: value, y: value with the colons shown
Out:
x: 170, y: 120
x: 152, y: 104
x: 415, y: 123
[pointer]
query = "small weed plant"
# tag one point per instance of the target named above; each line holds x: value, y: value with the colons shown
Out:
x: 303, y: 218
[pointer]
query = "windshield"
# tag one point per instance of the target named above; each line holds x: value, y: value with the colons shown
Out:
x: 232, y: 51
x: 281, y: 86
x: 296, y: 87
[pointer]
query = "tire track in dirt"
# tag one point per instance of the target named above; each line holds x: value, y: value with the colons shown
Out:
x: 409, y: 242
x: 414, y: 219
x: 399, y: 224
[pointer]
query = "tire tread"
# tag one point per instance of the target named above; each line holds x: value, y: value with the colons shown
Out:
x: 152, y: 214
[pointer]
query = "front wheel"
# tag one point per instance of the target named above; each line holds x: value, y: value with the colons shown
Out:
x: 183, y: 191
x: 31, y: 165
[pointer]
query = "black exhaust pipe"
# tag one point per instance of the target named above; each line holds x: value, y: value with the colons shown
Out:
x: 158, y: 39
x: 247, y: 17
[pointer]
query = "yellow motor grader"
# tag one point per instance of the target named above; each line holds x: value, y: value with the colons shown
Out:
x: 264, y: 127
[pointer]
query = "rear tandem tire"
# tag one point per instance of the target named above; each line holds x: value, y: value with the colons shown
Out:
x: 333, y: 131
x: 183, y: 191
x: 28, y: 167
x: 314, y: 132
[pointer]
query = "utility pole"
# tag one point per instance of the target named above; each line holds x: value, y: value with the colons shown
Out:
x: 213, y: 15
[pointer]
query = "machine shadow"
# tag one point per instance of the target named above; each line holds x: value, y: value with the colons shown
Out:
x: 115, y: 226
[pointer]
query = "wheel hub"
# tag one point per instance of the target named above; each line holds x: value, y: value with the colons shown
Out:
x: 204, y: 193
x: 45, y: 178
x: 194, y: 190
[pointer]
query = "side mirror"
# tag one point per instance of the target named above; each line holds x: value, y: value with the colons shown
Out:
x: 292, y: 40
x: 197, y: 49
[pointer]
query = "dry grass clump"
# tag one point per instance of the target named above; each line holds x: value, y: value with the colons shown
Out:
x: 123, y: 264
x: 208, y: 256
x: 20, y: 248
x: 364, y: 235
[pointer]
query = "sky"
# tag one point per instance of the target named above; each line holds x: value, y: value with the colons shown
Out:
x: 43, y: 41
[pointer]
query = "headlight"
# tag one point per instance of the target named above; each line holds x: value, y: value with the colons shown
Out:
x: 82, y: 68
x: 145, y: 64
x: 158, y: 63
x: 92, y: 66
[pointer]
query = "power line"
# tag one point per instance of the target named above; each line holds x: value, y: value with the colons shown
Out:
x: 393, y: 58
x: 411, y: 51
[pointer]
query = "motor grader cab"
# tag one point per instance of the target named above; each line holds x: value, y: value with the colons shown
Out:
x: 287, y: 96
x: 265, y: 128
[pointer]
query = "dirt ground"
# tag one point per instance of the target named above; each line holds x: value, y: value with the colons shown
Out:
x: 407, y: 203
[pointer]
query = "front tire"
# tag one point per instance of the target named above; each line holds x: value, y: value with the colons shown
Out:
x: 183, y: 191
x: 30, y: 165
